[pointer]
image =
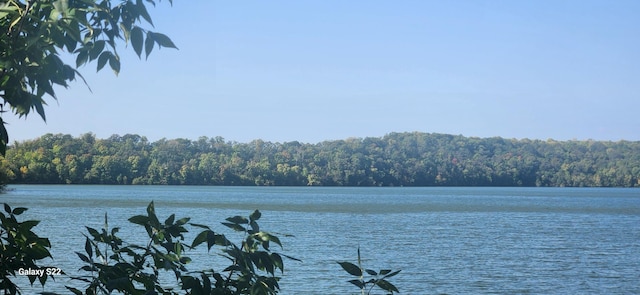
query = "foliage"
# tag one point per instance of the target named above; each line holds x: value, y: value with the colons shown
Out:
x: 5, y: 174
x: 35, y: 33
x: 131, y: 268
x: 20, y: 249
x: 397, y: 159
x: 248, y: 260
x: 112, y: 265
x: 116, y: 266
x: 379, y: 278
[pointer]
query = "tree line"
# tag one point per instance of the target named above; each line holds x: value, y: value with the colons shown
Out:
x: 396, y: 159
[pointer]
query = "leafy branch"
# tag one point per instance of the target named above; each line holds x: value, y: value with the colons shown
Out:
x: 33, y: 33
x: 134, y: 269
x: 379, y: 278
x: 115, y: 266
x: 20, y: 248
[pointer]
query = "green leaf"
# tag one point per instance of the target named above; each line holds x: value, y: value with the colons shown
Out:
x: 74, y: 290
x: 233, y: 226
x: 358, y: 283
x: 238, y: 220
x: 83, y: 257
x: 72, y: 30
x: 122, y: 284
x: 32, y: 279
x: 351, y: 268
x: 6, y: 10
x: 94, y: 233
x: 89, y: 268
x: 29, y: 224
x: 19, y: 210
x: 37, y: 252
x: 37, y: 102
x: 4, y: 139
x: 218, y: 239
x: 136, y: 40
x: 170, y: 219
x: 177, y: 248
x: 254, y: 226
x: 114, y: 63
x: 385, y: 285
x: 388, y: 275
x: 199, y: 239
x: 200, y: 225
x: 148, y: 44
x: 163, y: 40
x: 57, y: 36
x: 142, y: 9
x: 88, y: 248
x: 96, y: 49
x: 371, y: 272
x: 102, y: 60
x: 82, y: 58
x: 211, y: 238
x: 275, y: 239
x: 151, y: 211
x: 70, y: 43
x: 183, y: 221
x: 139, y: 219
x: 255, y: 215
x: 151, y: 208
x: 277, y: 261
x: 125, y: 31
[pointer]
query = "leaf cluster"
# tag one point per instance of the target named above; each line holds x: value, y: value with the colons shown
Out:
x: 20, y: 248
x: 34, y: 33
x: 112, y: 265
x: 253, y: 265
x: 378, y: 279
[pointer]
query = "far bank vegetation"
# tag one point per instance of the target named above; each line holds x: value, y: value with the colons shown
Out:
x: 396, y: 159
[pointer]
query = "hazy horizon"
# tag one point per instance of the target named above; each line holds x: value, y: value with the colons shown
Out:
x: 151, y: 140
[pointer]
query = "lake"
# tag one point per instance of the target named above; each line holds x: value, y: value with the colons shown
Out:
x: 445, y: 240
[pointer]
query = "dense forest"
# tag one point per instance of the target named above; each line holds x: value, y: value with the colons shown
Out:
x: 396, y: 159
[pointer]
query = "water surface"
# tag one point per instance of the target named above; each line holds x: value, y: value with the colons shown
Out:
x: 445, y: 240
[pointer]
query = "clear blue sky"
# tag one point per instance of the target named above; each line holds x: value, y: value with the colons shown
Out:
x: 323, y: 70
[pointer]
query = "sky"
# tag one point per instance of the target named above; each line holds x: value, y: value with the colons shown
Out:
x: 314, y: 70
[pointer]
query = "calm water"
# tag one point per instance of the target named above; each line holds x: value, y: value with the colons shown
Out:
x: 445, y: 240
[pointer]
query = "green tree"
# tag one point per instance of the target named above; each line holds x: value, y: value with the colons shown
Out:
x: 399, y: 159
x: 34, y: 33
